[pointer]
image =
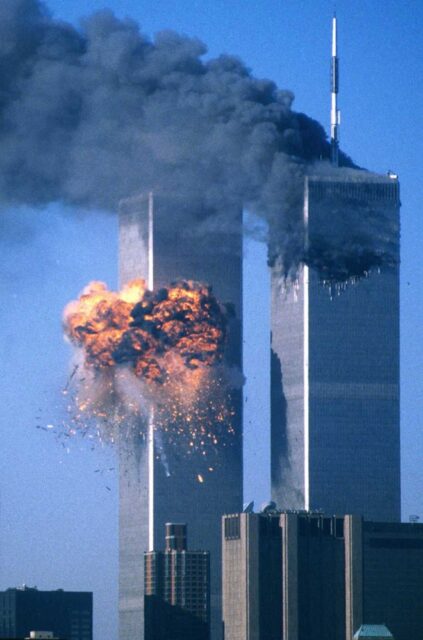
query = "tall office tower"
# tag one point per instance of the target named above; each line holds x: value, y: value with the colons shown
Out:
x: 177, y: 590
x: 68, y: 614
x: 161, y: 483
x: 252, y: 579
x: 330, y: 576
x: 335, y: 358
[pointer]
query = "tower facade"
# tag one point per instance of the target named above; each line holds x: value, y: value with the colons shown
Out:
x: 160, y: 483
x: 335, y: 358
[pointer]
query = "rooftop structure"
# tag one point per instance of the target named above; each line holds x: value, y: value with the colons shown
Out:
x: 373, y: 632
x: 41, y: 635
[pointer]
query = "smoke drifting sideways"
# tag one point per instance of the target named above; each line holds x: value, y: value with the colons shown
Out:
x: 142, y: 352
x: 94, y: 114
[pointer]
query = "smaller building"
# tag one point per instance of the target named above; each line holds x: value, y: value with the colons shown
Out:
x: 66, y: 614
x: 177, y: 590
x: 302, y: 575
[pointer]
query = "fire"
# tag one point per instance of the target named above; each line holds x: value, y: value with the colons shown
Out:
x: 151, y: 350
x: 154, y: 333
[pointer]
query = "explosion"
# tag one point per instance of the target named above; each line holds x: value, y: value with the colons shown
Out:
x: 153, y: 332
x: 163, y: 350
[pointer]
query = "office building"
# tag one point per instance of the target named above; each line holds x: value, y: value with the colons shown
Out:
x: 334, y: 575
x: 251, y: 567
x: 335, y: 358
x: 177, y: 590
x: 335, y: 437
x: 160, y: 483
x: 66, y: 614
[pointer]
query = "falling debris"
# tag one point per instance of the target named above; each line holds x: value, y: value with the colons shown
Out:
x: 75, y: 369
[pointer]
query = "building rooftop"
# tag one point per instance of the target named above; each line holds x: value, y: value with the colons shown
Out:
x: 375, y: 631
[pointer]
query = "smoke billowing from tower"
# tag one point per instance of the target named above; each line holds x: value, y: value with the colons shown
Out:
x: 91, y: 115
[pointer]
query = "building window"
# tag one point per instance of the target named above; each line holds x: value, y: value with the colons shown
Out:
x: 232, y: 528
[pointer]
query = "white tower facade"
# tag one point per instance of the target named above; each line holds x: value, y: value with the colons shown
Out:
x: 153, y: 493
x: 335, y: 361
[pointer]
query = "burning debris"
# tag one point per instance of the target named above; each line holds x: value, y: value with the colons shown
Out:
x: 144, y: 349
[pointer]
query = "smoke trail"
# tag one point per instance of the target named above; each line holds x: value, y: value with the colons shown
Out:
x: 91, y: 115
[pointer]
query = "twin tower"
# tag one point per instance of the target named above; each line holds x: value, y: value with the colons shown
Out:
x: 334, y: 392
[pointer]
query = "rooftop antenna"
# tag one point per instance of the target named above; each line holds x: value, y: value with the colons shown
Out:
x: 335, y: 114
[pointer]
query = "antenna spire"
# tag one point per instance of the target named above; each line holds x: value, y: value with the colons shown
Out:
x: 335, y: 114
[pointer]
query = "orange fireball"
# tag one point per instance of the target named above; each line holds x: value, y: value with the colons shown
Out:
x: 141, y: 328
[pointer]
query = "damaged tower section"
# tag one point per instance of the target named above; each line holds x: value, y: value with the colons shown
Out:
x: 161, y: 481
x: 335, y: 358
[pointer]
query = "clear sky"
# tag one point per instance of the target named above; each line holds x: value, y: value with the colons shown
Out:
x: 58, y: 519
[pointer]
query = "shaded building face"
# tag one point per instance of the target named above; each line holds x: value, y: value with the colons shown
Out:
x: 68, y: 614
x: 172, y: 484
x: 330, y: 575
x: 335, y: 358
x: 252, y: 578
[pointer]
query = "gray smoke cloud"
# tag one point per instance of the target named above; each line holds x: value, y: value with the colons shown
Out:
x: 92, y: 115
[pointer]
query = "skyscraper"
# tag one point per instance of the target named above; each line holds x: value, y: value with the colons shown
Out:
x: 161, y: 483
x: 177, y: 590
x: 335, y: 358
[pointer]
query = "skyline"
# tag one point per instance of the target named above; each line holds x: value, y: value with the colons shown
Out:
x: 80, y: 248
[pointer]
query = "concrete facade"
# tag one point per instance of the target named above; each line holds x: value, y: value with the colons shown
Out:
x: 335, y: 360
x: 332, y: 576
x: 251, y: 569
x: 150, y: 494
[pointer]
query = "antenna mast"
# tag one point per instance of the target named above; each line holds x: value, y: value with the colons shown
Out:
x: 335, y: 114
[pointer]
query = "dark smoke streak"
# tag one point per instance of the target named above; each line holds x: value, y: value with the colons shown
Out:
x: 91, y: 115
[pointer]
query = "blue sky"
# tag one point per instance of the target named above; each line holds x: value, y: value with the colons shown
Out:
x: 58, y: 524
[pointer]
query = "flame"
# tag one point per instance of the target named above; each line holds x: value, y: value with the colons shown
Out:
x: 155, y: 333
x: 146, y: 349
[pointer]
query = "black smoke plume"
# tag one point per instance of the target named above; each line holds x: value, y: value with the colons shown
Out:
x: 94, y: 114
